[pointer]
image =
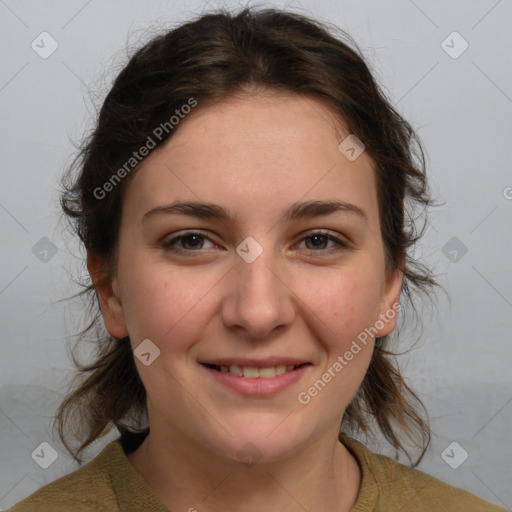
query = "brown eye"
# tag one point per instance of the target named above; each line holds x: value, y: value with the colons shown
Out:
x: 186, y: 243
x: 320, y: 239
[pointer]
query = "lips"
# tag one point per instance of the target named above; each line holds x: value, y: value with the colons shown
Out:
x: 255, y: 372
x: 257, y: 377
x: 255, y: 363
x: 251, y: 368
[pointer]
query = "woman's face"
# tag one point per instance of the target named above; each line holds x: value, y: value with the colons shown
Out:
x: 252, y: 284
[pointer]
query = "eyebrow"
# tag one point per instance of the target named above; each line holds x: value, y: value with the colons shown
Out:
x: 297, y: 211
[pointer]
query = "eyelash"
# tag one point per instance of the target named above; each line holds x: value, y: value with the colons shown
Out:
x: 168, y: 244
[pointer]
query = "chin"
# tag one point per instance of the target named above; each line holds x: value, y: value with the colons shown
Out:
x: 261, y: 438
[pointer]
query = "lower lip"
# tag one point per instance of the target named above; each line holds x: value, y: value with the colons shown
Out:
x: 258, y: 387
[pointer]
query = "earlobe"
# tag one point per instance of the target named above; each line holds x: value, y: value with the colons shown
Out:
x: 389, y: 303
x: 108, y: 297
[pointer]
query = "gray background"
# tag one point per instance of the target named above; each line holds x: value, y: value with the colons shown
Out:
x: 462, y: 110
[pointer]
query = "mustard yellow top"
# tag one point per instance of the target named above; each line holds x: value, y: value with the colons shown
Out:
x: 110, y: 483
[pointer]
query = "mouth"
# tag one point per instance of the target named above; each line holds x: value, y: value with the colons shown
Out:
x: 256, y: 378
x: 255, y: 372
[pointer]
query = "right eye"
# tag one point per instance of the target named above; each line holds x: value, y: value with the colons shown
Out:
x: 178, y: 244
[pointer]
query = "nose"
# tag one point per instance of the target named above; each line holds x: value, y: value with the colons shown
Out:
x: 258, y: 300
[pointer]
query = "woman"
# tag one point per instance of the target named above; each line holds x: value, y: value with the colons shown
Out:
x: 243, y: 203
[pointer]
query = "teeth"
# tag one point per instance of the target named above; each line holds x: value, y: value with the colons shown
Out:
x: 266, y: 373
x: 280, y: 369
x: 234, y: 368
x: 250, y: 372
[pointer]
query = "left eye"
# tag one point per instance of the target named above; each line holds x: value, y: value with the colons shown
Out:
x: 195, y: 241
x: 320, y: 238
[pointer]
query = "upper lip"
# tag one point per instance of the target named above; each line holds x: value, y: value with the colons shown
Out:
x: 255, y: 363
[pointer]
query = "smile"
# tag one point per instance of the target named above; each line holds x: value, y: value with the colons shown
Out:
x: 252, y: 372
x: 257, y: 378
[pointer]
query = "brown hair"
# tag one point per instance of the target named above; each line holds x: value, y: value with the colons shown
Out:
x: 208, y: 59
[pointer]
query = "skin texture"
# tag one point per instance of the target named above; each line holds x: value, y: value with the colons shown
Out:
x: 255, y: 154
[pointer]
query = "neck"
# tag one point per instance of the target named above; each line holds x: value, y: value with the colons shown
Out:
x: 184, y: 476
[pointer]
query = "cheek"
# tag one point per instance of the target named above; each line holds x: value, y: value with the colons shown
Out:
x: 348, y: 306
x: 347, y: 302
x: 162, y: 302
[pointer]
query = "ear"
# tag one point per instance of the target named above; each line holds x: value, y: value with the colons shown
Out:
x: 388, y: 307
x: 108, y: 297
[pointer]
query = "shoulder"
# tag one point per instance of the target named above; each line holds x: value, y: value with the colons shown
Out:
x: 389, y: 485
x: 87, y: 489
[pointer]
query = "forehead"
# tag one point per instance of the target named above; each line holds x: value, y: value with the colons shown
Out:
x: 254, y: 153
